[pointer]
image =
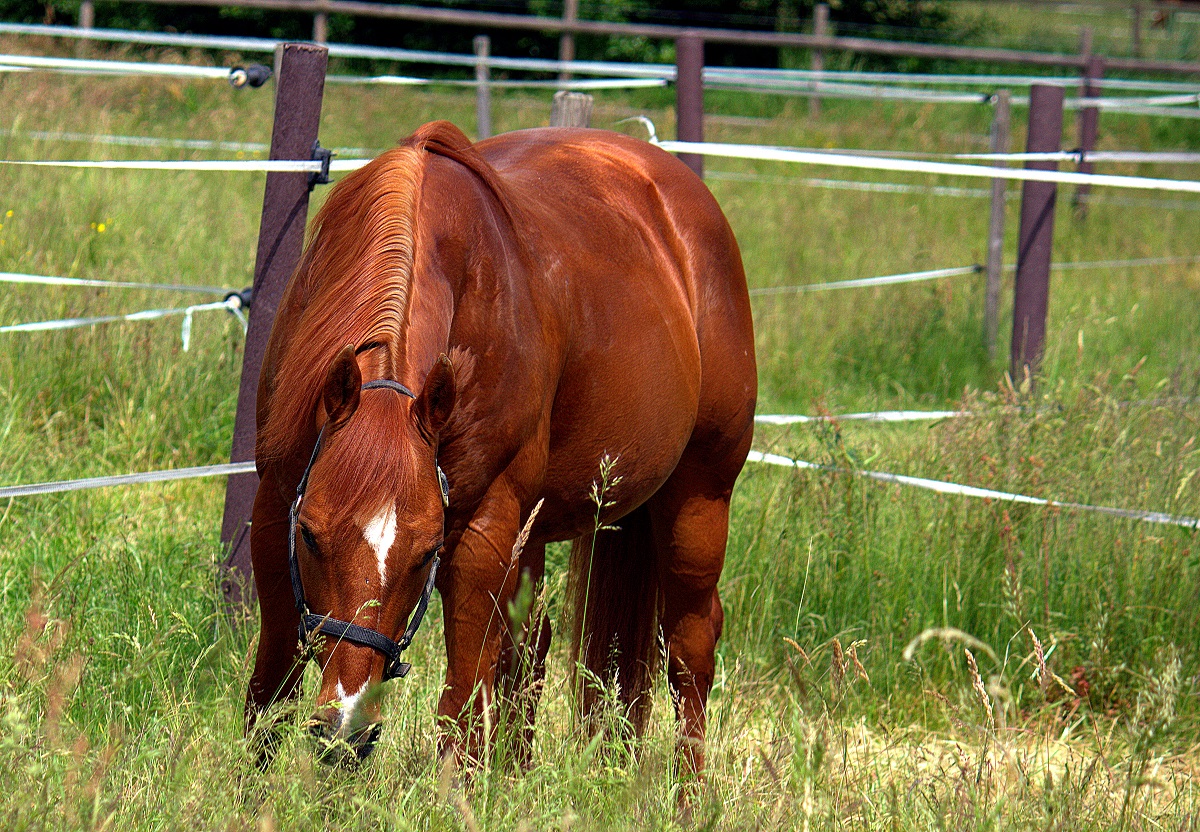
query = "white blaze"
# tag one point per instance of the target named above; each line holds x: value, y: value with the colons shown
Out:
x: 349, y: 702
x: 380, y: 533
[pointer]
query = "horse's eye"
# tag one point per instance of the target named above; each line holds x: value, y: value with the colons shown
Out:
x: 309, y: 540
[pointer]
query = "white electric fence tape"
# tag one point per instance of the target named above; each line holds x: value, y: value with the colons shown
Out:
x: 77, y: 65
x: 913, y: 277
x: 1079, y: 156
x: 267, y: 165
x: 666, y: 71
x: 873, y: 416
x: 232, y: 305
x: 783, y: 154
x: 49, y: 280
x: 412, y: 81
x: 909, y: 277
x: 942, y: 487
x: 10, y: 491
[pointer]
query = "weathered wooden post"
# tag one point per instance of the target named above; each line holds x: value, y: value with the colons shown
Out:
x: 689, y: 96
x: 87, y: 14
x: 566, y: 41
x: 820, y: 29
x: 483, y: 89
x: 1089, y: 127
x: 571, y: 109
x: 1031, y: 293
x: 1001, y: 109
x: 300, y: 85
x: 320, y: 27
x: 1135, y: 25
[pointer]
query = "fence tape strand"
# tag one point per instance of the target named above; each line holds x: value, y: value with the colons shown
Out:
x: 943, y: 487
x: 50, y: 280
x: 227, y: 469
x: 232, y: 304
x: 784, y: 154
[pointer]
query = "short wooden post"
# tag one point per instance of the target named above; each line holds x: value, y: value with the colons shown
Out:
x: 300, y: 85
x: 1001, y: 109
x: 1032, y: 286
x: 320, y: 27
x: 566, y: 42
x: 820, y: 29
x: 87, y: 14
x: 571, y: 109
x: 689, y: 96
x: 1089, y: 127
x: 483, y: 88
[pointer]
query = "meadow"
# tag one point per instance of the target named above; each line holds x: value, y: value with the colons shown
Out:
x: 892, y: 658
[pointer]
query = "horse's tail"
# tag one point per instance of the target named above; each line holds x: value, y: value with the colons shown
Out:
x: 613, y: 589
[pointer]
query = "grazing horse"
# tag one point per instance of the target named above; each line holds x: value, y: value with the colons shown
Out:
x: 511, y: 313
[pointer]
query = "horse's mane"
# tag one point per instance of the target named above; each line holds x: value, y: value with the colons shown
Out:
x: 353, y: 279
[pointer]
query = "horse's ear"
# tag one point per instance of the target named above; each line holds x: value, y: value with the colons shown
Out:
x: 342, y: 387
x: 436, y: 400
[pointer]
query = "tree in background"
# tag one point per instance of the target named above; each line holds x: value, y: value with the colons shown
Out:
x: 921, y: 20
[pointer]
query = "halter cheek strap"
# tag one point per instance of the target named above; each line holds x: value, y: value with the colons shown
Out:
x: 312, y: 623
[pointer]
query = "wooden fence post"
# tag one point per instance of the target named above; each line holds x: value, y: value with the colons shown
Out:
x: 1002, y: 107
x: 689, y: 96
x: 571, y: 109
x: 320, y: 27
x: 483, y: 89
x: 820, y: 28
x: 566, y: 41
x: 300, y: 85
x: 1089, y: 127
x: 1135, y: 25
x: 1031, y: 292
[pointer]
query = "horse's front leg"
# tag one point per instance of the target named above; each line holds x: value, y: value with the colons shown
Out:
x: 476, y: 584
x: 277, y: 668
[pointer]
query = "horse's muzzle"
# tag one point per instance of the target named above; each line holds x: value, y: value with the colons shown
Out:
x: 339, y: 745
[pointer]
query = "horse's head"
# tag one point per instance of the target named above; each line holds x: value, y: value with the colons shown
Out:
x: 367, y: 533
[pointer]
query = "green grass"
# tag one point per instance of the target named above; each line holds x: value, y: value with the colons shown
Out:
x: 121, y: 682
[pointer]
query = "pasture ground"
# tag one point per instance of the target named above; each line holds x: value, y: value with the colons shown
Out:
x: 121, y: 682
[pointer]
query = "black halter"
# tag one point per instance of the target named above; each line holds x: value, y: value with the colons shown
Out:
x: 311, y: 623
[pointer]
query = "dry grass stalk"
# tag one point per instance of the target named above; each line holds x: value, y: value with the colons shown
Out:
x: 837, y: 665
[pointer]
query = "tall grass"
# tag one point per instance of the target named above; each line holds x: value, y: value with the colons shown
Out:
x: 121, y: 681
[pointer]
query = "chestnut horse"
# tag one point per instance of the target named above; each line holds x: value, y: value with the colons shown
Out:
x: 510, y: 313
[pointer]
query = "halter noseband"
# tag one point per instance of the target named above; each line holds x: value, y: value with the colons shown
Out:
x: 311, y: 623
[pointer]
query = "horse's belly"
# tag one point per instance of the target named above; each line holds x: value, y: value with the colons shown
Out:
x: 622, y: 417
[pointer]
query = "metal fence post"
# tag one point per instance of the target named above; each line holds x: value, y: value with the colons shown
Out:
x: 820, y: 29
x: 1002, y: 107
x: 689, y: 96
x: 483, y: 89
x: 1031, y: 292
x: 300, y: 85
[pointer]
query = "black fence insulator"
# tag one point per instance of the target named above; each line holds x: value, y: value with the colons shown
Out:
x: 323, y: 155
x: 254, y: 75
x: 245, y: 297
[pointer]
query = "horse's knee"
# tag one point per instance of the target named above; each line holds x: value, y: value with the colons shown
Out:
x: 717, y: 616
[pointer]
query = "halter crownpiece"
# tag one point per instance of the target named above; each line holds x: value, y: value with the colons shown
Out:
x: 311, y: 623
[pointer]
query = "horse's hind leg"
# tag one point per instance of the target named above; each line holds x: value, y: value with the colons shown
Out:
x: 690, y: 521
x: 522, y: 668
